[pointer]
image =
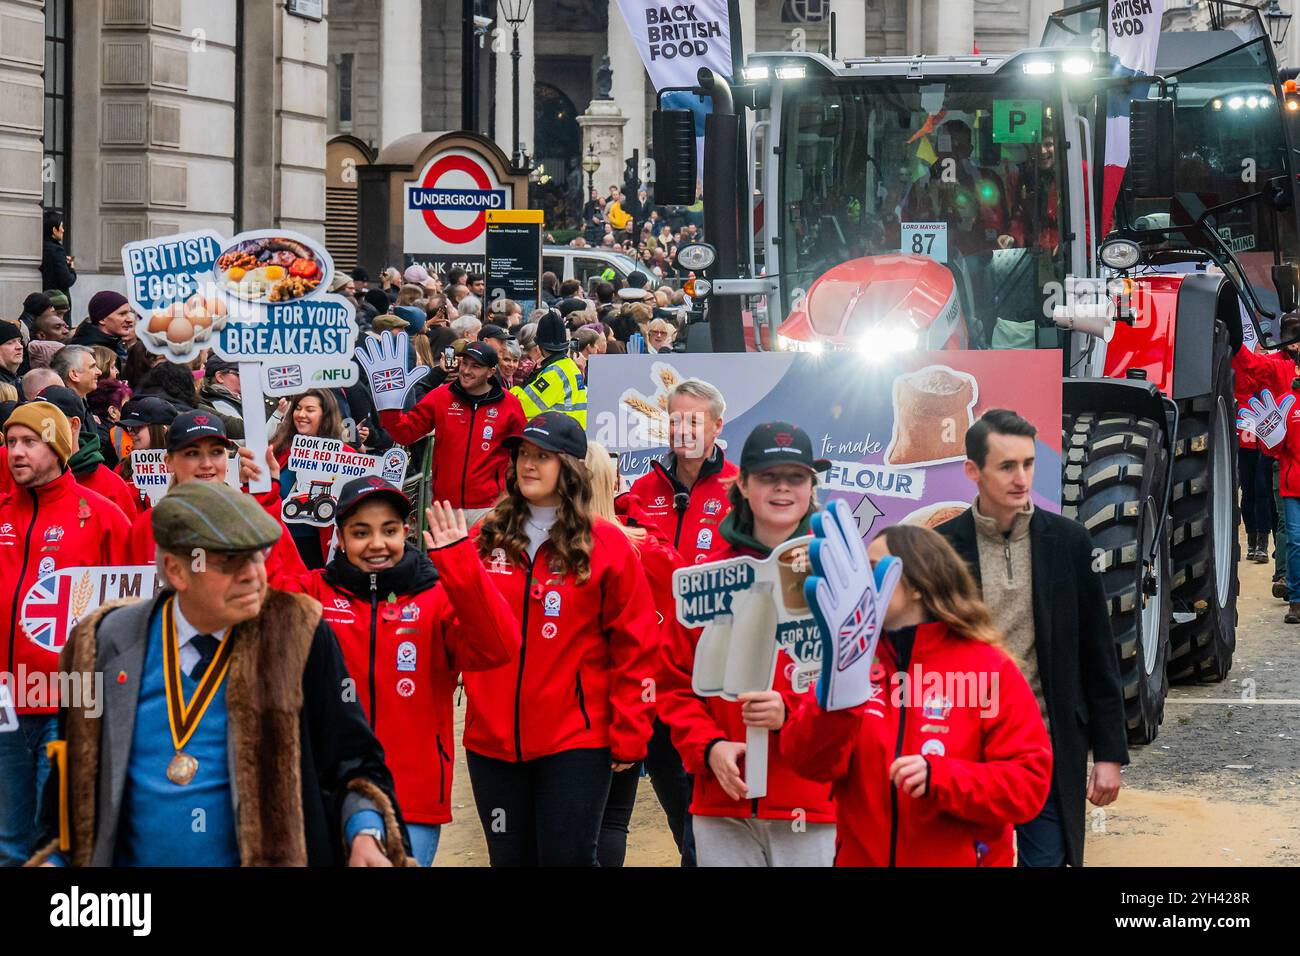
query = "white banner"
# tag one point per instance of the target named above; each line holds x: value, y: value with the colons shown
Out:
x: 1133, y: 32
x: 676, y: 39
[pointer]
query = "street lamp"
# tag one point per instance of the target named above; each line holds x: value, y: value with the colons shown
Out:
x: 1278, y: 21
x: 515, y: 12
x: 591, y: 163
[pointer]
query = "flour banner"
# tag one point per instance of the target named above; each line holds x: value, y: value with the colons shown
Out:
x: 893, y: 429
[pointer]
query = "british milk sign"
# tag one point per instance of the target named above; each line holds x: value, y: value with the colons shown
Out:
x: 444, y: 210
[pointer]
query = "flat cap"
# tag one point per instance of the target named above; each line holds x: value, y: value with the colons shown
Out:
x: 212, y: 516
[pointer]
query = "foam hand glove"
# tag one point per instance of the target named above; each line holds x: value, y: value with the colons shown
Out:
x: 848, y: 598
x: 1265, y: 418
x: 384, y: 362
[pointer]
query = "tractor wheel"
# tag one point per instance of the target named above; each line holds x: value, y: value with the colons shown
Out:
x: 1204, y: 518
x: 1116, y: 467
x: 291, y: 509
x: 325, y: 509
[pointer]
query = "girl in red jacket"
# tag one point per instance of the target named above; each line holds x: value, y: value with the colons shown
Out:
x: 407, y: 624
x: 772, y: 501
x: 658, y: 561
x: 950, y: 752
x: 544, y: 734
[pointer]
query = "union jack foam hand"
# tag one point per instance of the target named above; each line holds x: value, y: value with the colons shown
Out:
x: 848, y: 598
x: 1265, y: 418
x: 383, y: 360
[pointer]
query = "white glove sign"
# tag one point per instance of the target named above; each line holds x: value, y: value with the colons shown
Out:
x: 848, y: 599
x: 384, y: 362
x: 1265, y: 418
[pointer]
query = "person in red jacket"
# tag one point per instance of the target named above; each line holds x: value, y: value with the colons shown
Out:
x: 658, y: 562
x: 408, y: 623
x: 1255, y: 472
x: 684, y: 496
x: 1275, y: 372
x: 542, y: 735
x: 471, y: 417
x: 772, y: 501
x: 87, y: 462
x: 198, y: 450
x: 949, y: 752
x: 47, y: 522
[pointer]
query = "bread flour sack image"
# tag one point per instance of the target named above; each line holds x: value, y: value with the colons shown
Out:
x: 933, y: 408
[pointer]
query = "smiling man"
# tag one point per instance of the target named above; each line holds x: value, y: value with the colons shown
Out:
x: 1035, y: 570
x: 223, y: 699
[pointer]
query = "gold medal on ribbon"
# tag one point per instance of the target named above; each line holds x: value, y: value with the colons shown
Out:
x: 184, y: 717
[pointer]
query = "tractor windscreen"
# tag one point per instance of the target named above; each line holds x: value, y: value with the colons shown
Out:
x: 964, y: 172
x: 1230, y: 145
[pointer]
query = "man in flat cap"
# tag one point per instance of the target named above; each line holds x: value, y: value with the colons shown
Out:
x: 228, y: 736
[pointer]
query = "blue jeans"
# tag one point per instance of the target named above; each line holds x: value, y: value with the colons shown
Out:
x: 24, y: 768
x: 1041, y: 841
x: 1291, y: 512
x: 424, y: 841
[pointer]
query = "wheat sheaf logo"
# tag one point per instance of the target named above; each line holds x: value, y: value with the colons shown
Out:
x: 82, y: 592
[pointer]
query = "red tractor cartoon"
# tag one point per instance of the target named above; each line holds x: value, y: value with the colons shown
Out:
x: 318, y: 502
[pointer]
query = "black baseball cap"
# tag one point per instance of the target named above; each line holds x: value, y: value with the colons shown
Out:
x: 65, y: 400
x: 494, y: 332
x: 571, y: 305
x: 194, y: 426
x: 480, y: 352
x: 147, y: 410
x: 363, y: 489
x: 217, y: 364
x: 779, y: 443
x: 554, y: 431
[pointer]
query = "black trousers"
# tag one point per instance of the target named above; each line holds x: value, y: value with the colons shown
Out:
x: 543, y: 812
x: 611, y: 848
x: 1255, y: 473
x: 673, y: 786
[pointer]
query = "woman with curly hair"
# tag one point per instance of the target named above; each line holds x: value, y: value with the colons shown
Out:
x: 545, y: 733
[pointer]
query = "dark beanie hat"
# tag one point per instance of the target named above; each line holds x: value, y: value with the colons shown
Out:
x: 36, y: 303
x: 103, y: 304
x: 378, y: 299
x: 9, y: 331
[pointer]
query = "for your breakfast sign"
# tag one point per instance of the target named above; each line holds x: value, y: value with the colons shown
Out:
x: 258, y: 298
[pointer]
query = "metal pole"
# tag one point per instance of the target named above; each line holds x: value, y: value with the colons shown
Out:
x: 468, y: 73
x: 514, y: 72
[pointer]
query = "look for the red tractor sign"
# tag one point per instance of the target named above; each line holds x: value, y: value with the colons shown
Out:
x: 445, y: 209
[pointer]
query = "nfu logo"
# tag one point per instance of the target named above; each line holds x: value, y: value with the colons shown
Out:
x: 331, y: 375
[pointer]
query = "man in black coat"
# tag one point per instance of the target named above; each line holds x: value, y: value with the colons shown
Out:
x: 58, y: 271
x: 1035, y: 570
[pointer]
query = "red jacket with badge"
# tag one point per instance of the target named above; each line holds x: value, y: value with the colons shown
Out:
x: 1275, y: 371
x: 404, y: 640
x: 986, y: 773
x: 587, y: 650
x: 283, y: 563
x: 696, y: 722
x: 58, y: 525
x: 469, y: 461
x: 658, y: 560
x: 103, y: 481
x: 692, y: 530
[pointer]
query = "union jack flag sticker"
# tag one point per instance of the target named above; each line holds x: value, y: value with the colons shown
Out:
x: 856, y: 633
x: 388, y: 379
x: 284, y: 376
x: 47, y: 612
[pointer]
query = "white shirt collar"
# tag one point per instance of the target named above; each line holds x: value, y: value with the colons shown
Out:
x: 185, y: 631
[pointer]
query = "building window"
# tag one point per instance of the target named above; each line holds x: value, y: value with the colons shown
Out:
x: 804, y: 11
x: 56, y: 166
x: 345, y: 90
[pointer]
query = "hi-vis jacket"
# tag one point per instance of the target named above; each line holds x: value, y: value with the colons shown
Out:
x: 557, y: 385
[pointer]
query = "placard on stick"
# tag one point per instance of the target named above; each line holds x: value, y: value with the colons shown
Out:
x: 321, y: 467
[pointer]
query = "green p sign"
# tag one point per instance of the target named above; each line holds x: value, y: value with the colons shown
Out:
x: 1017, y: 121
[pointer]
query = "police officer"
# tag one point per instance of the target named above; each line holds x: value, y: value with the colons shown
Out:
x: 557, y: 382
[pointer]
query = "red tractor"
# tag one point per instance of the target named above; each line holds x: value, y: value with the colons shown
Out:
x: 318, y: 502
x: 954, y: 202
